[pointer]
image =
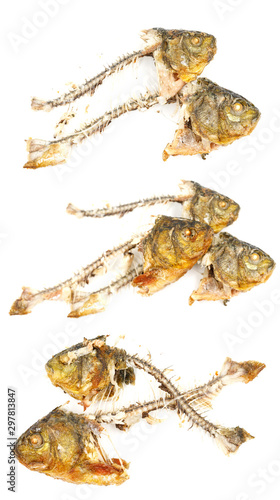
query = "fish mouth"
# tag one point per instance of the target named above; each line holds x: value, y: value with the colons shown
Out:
x: 267, y: 266
x: 235, y: 214
x: 211, y: 55
x: 212, y: 47
x: 33, y: 464
x: 271, y: 267
x: 49, y: 369
x: 264, y: 270
x: 37, y: 466
x: 256, y: 116
x: 236, y: 210
x: 252, y: 117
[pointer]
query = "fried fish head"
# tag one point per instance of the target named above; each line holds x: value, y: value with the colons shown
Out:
x: 65, y: 446
x: 208, y: 206
x: 36, y: 447
x: 176, y: 243
x: 238, y: 264
x: 90, y: 368
x: 220, y: 115
x: 187, y: 52
x: 180, y: 56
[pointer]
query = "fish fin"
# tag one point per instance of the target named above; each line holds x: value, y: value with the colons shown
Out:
x: 146, y: 282
x: 211, y: 289
x: 72, y: 210
x: 45, y: 153
x: 101, y: 473
x: 95, y: 303
x: 240, y: 372
x: 230, y: 439
x: 152, y: 420
x: 185, y: 142
x: 29, y: 298
x: 85, y: 404
x: 154, y: 280
x: 40, y: 104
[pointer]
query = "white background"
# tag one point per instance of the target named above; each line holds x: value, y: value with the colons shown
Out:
x: 41, y: 244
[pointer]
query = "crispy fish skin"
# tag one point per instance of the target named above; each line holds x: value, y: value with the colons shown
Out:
x: 206, y: 205
x: 181, y: 57
x: 235, y: 266
x: 170, y: 249
x: 90, y: 368
x: 212, y: 116
x: 65, y: 445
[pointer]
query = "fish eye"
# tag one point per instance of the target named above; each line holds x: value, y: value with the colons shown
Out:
x: 237, y: 107
x: 255, y: 257
x: 64, y: 358
x: 36, y: 440
x: 195, y: 40
x: 188, y: 233
x: 223, y: 204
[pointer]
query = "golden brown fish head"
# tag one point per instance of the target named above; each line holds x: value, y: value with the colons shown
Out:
x: 173, y: 242
x: 194, y: 238
x: 187, y: 52
x: 239, y: 264
x: 223, y: 211
x: 256, y: 267
x: 80, y: 370
x: 66, y: 446
x: 35, y: 447
x: 70, y: 376
x: 217, y: 210
x: 220, y: 115
x: 88, y: 368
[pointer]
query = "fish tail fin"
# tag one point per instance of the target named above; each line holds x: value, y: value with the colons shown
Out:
x: 28, y: 299
x: 40, y: 104
x: 43, y: 153
x: 72, y: 210
x: 230, y: 439
x: 241, y: 372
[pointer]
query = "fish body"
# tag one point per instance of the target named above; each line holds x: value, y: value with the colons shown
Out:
x: 170, y: 249
x: 234, y: 266
x: 212, y: 116
x: 65, y: 445
x: 90, y: 369
x: 199, y: 203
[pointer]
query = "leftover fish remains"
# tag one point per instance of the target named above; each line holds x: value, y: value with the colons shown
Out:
x: 67, y: 446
